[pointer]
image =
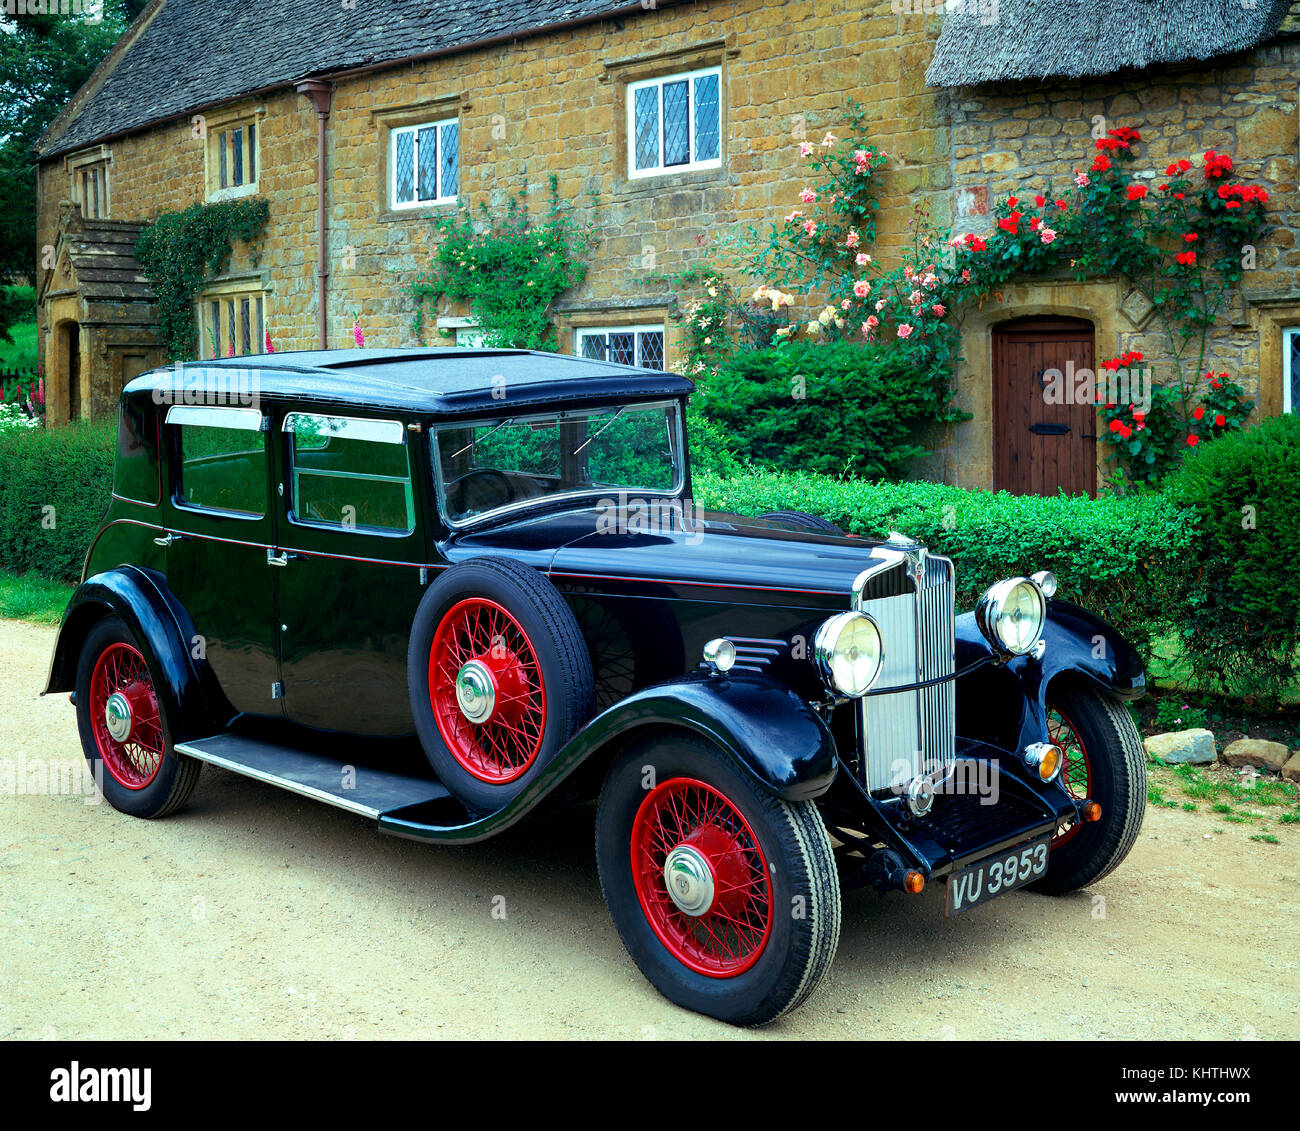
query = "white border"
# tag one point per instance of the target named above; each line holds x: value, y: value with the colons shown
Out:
x: 661, y: 170
x: 401, y: 206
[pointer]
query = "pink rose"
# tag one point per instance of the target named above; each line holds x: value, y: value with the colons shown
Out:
x: 1047, y: 235
x: 808, y: 196
x: 905, y: 331
x: 862, y: 288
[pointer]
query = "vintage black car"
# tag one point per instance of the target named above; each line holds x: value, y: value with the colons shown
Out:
x: 440, y: 587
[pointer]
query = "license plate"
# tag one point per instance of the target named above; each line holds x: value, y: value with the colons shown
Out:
x: 996, y: 875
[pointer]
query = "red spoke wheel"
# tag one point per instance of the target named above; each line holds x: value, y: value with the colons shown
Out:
x: 725, y: 895
x: 1076, y: 774
x: 701, y: 878
x: 487, y: 691
x: 122, y: 717
x: 1104, y: 762
x: 499, y: 678
x: 125, y: 718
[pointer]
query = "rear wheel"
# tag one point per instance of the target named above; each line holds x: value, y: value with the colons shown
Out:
x: 499, y: 678
x: 726, y: 897
x: 123, y: 726
x: 1104, y: 762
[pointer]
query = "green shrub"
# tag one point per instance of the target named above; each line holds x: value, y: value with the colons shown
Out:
x: 54, y: 489
x: 829, y: 408
x: 1121, y: 558
x: 1242, y: 619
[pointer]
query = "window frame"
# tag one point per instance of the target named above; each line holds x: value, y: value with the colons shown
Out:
x: 414, y: 128
x: 1288, y: 403
x: 218, y: 142
x: 659, y: 81
x: 676, y: 441
x: 580, y: 332
x: 230, y: 297
x: 361, y: 428
x: 210, y: 416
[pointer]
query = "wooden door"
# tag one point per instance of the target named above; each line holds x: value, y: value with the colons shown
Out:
x: 1041, y: 447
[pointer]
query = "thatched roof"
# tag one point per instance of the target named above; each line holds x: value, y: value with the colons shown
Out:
x: 984, y: 41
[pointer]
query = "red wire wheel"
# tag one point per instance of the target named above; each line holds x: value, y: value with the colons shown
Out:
x: 701, y: 878
x: 487, y: 691
x: 124, y: 717
x: 1076, y: 774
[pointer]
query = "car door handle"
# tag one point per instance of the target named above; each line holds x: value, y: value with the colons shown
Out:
x: 170, y: 537
x: 283, y: 558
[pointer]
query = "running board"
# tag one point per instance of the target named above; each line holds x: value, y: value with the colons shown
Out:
x: 347, y: 785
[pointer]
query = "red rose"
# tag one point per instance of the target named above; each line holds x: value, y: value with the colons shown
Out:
x: 1186, y: 258
x: 1011, y: 202
x: 1184, y: 165
x: 1199, y: 412
x: 1101, y: 164
x: 1061, y: 205
x: 1220, y: 420
x: 1190, y: 237
x: 1178, y: 196
x: 1192, y: 441
x: 1137, y: 192
x: 1040, y: 201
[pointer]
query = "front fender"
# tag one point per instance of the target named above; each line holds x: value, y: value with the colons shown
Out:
x: 137, y: 598
x: 1006, y: 703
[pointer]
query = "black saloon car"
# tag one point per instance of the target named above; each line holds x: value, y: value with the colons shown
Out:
x: 440, y: 588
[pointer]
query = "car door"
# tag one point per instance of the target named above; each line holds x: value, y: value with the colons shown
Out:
x: 220, y: 524
x: 352, y: 553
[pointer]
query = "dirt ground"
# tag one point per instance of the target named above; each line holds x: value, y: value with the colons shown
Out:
x: 255, y: 914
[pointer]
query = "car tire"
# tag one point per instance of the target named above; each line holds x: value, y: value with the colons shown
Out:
x: 138, y: 772
x: 813, y: 522
x: 768, y: 952
x: 493, y: 638
x: 1104, y: 762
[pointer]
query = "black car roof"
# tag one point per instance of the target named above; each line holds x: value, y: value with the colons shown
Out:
x: 451, y: 380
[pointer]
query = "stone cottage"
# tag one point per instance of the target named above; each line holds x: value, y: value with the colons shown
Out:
x: 361, y: 124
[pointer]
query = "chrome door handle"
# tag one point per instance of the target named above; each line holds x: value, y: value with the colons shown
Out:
x: 170, y: 537
x: 283, y: 558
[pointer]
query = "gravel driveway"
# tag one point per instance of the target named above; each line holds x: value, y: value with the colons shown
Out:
x: 254, y: 913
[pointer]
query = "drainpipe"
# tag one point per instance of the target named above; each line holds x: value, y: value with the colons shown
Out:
x: 319, y: 92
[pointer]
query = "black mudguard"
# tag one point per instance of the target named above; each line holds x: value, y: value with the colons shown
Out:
x: 1006, y: 703
x: 191, y: 701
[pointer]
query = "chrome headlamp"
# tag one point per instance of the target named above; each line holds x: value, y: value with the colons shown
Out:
x: 1011, y: 615
x: 849, y: 651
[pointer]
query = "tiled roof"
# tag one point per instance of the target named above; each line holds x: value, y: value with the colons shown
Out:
x: 102, y: 253
x: 199, y: 53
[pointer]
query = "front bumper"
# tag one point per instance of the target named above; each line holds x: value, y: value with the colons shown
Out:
x: 988, y: 803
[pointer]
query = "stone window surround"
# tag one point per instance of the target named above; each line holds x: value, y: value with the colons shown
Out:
x: 441, y: 108
x: 215, y: 122
x: 76, y: 162
x: 619, y: 75
x: 615, y: 315
x: 243, y: 286
x: 1273, y: 316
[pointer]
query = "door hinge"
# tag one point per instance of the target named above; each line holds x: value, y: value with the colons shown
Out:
x: 277, y: 690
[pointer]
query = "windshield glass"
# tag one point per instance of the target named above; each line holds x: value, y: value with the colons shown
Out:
x: 495, y: 464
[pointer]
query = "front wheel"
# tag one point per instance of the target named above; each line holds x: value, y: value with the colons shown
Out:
x: 1105, y: 763
x: 726, y: 897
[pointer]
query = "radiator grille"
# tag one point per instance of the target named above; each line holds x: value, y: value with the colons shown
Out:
x: 911, y: 732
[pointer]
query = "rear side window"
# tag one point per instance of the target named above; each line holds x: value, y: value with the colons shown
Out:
x: 135, y: 465
x: 222, y: 465
x: 350, y: 473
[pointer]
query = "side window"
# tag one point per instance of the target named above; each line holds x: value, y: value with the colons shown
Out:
x: 350, y: 473
x: 221, y: 464
x: 135, y: 467
x: 674, y: 123
x: 424, y: 164
x: 1291, y: 369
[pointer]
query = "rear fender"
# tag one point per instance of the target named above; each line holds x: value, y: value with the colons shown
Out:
x: 138, y: 597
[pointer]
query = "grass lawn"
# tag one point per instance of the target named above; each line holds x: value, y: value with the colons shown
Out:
x: 1257, y: 802
x: 31, y: 598
x: 21, y: 353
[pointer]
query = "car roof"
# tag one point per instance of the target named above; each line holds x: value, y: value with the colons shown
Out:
x: 447, y: 380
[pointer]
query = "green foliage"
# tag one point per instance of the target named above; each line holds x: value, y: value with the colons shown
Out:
x: 55, y: 485
x: 181, y: 252
x: 1123, y: 559
x: 509, y: 269
x: 1242, y: 627
x: 18, y: 308
x: 832, y: 408
x: 1173, y: 714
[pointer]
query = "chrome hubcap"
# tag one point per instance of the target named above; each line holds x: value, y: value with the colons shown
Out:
x: 476, y: 692
x: 117, y: 716
x: 689, y: 880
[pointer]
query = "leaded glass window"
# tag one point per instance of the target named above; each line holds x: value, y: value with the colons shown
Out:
x: 425, y: 163
x: 675, y: 123
x: 641, y: 346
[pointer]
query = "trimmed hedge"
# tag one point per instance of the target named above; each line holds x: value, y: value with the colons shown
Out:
x: 1242, y: 628
x: 54, y: 489
x: 1122, y: 558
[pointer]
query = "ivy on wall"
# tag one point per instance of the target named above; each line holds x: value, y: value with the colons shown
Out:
x: 508, y: 267
x: 181, y: 252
